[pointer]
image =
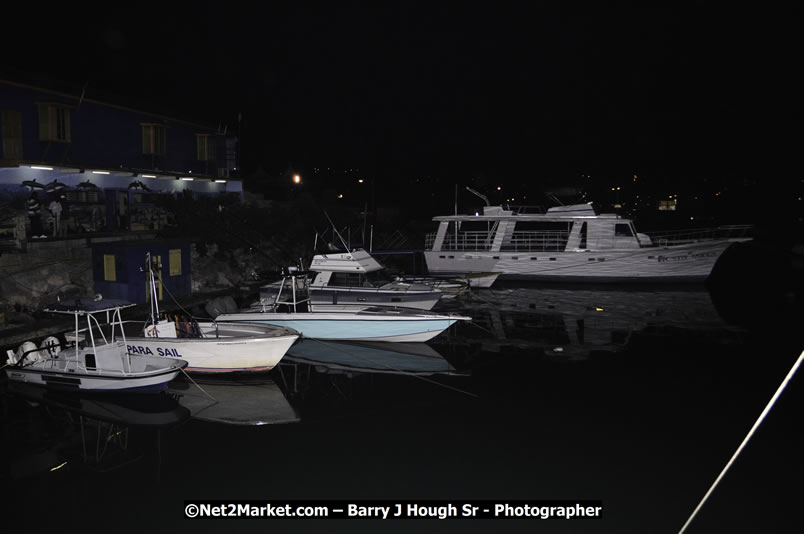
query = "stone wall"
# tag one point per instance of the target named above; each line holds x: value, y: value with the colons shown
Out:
x: 28, y: 280
x: 63, y: 269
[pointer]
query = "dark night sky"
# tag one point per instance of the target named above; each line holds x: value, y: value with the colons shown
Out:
x: 540, y: 92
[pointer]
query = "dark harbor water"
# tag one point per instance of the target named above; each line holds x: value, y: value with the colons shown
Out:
x: 635, y: 397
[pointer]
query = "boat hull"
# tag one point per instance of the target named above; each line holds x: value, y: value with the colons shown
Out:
x: 349, y: 327
x: 67, y: 381
x: 229, y: 353
x: 684, y: 263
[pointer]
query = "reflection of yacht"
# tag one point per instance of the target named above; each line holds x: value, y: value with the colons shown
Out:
x: 243, y: 402
x: 369, y: 357
x: 571, y: 322
x: 571, y: 243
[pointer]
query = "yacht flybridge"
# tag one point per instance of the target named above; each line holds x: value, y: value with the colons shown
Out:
x: 572, y: 243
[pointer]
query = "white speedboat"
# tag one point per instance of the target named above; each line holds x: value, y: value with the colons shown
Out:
x: 207, y: 346
x: 572, y: 243
x: 370, y: 324
x: 352, y: 280
x: 92, y: 362
x: 212, y: 346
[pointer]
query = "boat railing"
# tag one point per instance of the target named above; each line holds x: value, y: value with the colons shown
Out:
x: 293, y: 285
x: 544, y: 241
x: 429, y: 240
x: 676, y: 237
x: 463, y: 241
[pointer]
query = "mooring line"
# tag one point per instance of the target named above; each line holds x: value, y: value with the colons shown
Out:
x: 399, y: 370
x: 745, y: 441
x: 196, y: 385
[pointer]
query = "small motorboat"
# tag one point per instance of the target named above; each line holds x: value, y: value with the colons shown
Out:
x: 353, y: 280
x: 371, y: 324
x: 207, y: 346
x: 90, y: 362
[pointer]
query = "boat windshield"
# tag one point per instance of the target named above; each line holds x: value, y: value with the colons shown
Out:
x: 372, y: 279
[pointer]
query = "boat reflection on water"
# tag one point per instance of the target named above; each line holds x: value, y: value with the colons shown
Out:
x: 250, y: 401
x: 98, y: 431
x: 323, y: 377
x: 369, y: 357
x: 570, y: 323
x: 124, y: 409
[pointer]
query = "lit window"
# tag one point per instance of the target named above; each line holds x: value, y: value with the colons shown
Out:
x: 153, y: 139
x: 11, y: 134
x: 206, y: 147
x: 175, y: 261
x: 109, y: 270
x: 54, y: 122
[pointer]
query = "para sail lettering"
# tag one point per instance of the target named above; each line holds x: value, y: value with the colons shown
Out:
x: 160, y: 351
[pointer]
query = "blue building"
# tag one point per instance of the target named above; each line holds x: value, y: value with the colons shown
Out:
x: 118, y: 269
x: 108, y: 161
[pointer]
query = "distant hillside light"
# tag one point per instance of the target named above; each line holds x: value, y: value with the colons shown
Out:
x: 296, y: 179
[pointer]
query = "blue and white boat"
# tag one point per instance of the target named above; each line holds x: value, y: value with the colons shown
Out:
x: 370, y: 324
x: 92, y: 362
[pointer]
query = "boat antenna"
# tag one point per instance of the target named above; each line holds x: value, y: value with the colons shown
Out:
x: 335, y: 230
x: 552, y: 196
x: 152, y: 284
x: 481, y: 195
